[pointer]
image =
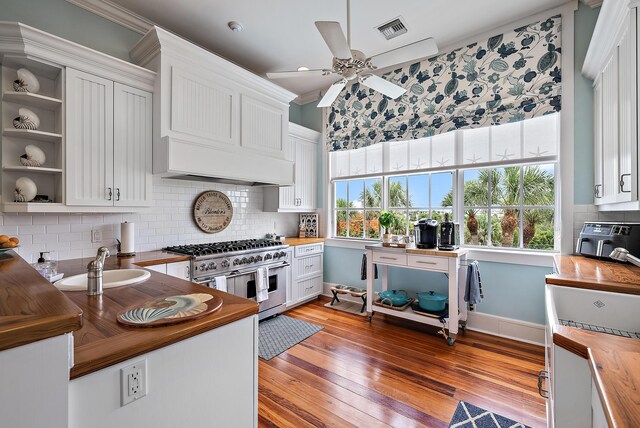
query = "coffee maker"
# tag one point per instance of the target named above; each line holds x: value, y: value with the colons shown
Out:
x: 449, y: 235
x: 426, y: 231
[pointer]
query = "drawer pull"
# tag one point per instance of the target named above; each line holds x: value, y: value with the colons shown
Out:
x: 542, y: 375
x: 388, y: 258
x: 426, y: 263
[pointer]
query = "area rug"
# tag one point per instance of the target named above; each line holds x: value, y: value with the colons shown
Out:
x: 347, y: 306
x: 280, y: 333
x: 470, y: 416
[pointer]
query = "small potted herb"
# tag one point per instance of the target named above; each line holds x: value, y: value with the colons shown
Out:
x: 386, y: 220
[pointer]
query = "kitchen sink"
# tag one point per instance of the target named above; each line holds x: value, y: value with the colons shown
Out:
x: 600, y: 311
x: 110, y: 279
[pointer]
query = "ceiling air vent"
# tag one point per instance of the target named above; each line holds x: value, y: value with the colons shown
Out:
x: 393, y: 28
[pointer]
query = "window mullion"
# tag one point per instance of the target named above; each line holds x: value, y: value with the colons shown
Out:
x: 521, y: 219
x: 489, y: 202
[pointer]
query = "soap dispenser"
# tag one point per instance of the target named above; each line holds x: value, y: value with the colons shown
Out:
x: 45, y: 266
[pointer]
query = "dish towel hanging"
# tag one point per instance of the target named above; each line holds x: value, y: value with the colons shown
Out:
x: 262, y: 284
x: 363, y: 268
x: 221, y: 283
x: 473, y: 291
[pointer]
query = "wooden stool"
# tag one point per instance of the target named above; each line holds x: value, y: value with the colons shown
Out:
x: 354, y: 291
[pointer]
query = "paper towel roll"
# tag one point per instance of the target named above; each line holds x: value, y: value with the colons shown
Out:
x: 127, y: 238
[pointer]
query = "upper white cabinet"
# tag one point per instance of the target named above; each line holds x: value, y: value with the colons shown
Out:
x: 108, y: 142
x: 95, y: 125
x: 612, y: 61
x: 301, y: 197
x: 214, y: 119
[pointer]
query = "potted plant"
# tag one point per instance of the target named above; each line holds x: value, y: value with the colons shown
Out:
x: 386, y: 220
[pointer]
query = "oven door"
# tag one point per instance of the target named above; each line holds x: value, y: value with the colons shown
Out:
x: 245, y: 286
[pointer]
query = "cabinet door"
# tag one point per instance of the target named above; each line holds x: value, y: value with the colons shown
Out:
x: 287, y: 194
x: 89, y: 142
x: 306, y: 175
x: 597, y: 141
x: 132, y: 147
x: 626, y: 190
x: 610, y: 130
x: 310, y: 287
x: 180, y: 270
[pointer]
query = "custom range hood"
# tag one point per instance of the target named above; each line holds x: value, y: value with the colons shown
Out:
x: 213, y: 120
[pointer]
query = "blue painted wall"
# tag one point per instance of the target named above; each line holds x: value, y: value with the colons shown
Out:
x: 583, y: 119
x: 71, y: 22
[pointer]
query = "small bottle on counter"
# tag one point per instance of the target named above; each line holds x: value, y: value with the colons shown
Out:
x: 302, y: 231
x: 45, y: 266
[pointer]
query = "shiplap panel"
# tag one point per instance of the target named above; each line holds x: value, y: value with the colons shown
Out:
x: 262, y: 126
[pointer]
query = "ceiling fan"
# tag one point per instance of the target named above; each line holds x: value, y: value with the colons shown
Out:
x: 350, y: 63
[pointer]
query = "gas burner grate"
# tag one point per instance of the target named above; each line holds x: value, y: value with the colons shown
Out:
x: 223, y: 247
x: 599, y: 329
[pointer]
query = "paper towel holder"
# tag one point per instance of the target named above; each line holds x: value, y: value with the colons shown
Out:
x: 119, y: 246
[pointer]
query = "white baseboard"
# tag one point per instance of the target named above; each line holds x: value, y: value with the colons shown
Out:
x: 509, y: 328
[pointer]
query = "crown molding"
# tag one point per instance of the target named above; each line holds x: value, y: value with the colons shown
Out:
x: 592, y: 3
x: 115, y: 13
x: 307, y: 98
x: 304, y: 133
x: 17, y: 39
x: 605, y: 35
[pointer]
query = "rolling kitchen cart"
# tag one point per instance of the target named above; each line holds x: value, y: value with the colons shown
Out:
x: 447, y: 262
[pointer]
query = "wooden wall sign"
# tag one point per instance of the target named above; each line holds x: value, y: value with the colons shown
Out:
x: 212, y: 211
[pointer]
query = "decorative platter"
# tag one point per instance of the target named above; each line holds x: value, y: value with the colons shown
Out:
x: 212, y: 211
x: 169, y: 310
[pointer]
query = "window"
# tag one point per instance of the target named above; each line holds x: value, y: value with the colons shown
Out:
x: 357, y: 208
x: 497, y: 182
x: 510, y: 207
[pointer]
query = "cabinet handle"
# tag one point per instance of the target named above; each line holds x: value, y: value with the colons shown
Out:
x: 187, y: 272
x: 622, y: 183
x: 388, y: 258
x: 109, y: 193
x: 117, y: 193
x: 542, y: 375
x: 596, y: 191
x: 426, y: 263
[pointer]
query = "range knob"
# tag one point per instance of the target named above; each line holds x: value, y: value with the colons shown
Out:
x: 225, y: 264
x: 258, y: 258
x: 236, y: 262
x: 283, y: 254
x: 244, y: 261
x: 267, y: 256
x: 252, y: 259
x: 203, y: 267
x: 276, y: 255
x: 212, y: 265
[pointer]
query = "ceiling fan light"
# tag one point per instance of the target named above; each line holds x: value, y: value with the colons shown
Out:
x: 303, y: 68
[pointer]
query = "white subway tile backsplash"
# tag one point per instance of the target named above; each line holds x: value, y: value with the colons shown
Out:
x: 583, y: 213
x: 168, y: 222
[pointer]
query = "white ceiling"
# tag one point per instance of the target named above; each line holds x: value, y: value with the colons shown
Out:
x: 280, y: 35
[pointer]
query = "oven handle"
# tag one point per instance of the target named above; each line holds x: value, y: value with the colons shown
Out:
x: 236, y: 273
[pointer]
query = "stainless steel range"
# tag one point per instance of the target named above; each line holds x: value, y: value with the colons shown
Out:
x: 238, y: 262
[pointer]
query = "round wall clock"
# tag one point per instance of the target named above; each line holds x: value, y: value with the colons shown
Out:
x: 212, y: 211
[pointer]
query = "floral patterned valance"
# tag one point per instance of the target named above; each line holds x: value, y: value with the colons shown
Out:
x: 507, y: 78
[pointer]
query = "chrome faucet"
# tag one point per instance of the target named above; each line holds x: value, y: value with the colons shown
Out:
x: 94, y: 272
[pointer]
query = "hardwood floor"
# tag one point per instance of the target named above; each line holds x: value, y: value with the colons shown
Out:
x: 391, y: 373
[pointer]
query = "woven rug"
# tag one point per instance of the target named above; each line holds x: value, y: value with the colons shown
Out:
x: 470, y: 416
x: 280, y: 333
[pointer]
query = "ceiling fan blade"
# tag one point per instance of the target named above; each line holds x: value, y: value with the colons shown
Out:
x: 385, y: 87
x: 297, y: 73
x: 413, y: 51
x: 332, y: 93
x: 333, y: 36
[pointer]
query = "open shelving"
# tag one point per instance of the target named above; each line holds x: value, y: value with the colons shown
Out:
x: 32, y: 100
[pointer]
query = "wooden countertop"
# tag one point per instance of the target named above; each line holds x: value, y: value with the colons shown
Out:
x: 614, y: 360
x: 31, y: 309
x: 293, y: 242
x: 102, y: 342
x: 583, y: 272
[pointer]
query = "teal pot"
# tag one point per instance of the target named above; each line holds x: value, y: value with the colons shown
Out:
x: 431, y: 301
x: 394, y: 297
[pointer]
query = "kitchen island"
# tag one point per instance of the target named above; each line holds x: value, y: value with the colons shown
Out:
x: 612, y: 361
x: 195, y: 371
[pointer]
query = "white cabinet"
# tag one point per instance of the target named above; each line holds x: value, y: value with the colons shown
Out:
x: 180, y: 270
x: 108, y: 143
x: 616, y: 120
x: 301, y: 197
x: 306, y: 272
x: 214, y: 119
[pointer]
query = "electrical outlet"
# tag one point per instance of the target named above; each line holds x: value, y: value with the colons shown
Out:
x: 133, y: 382
x: 96, y: 236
